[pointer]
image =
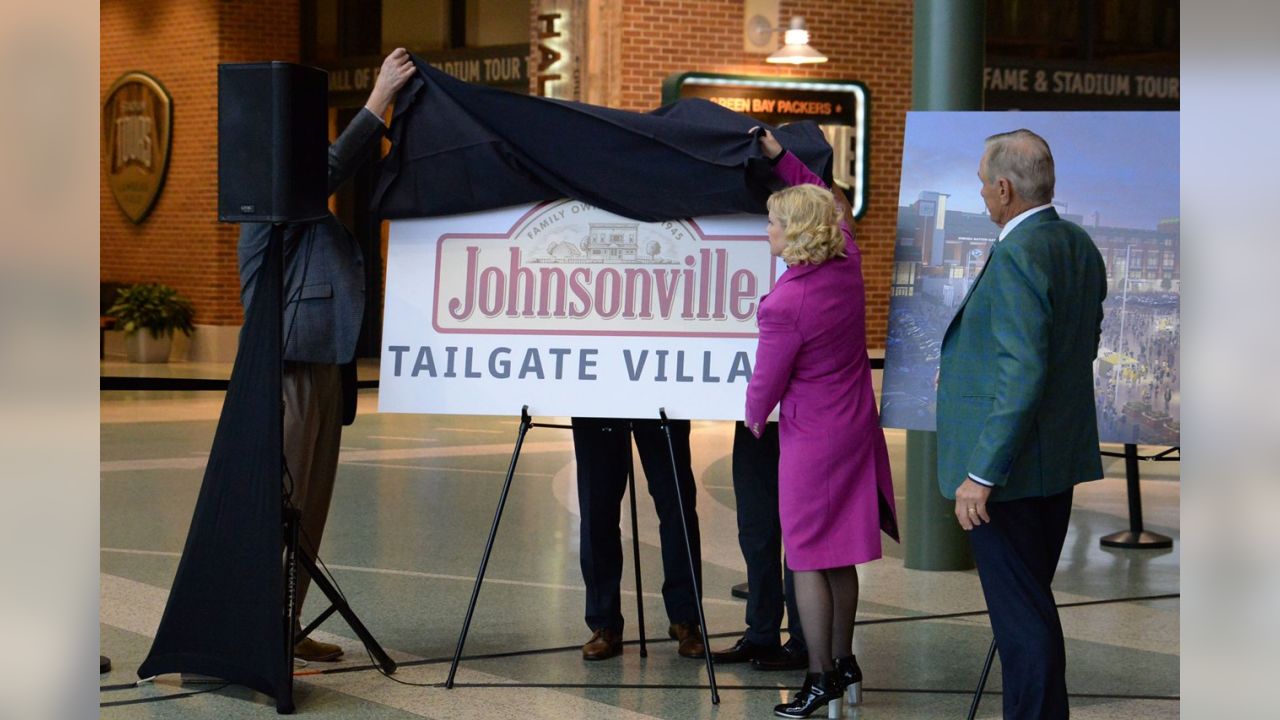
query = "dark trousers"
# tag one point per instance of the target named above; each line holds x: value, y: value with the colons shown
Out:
x: 602, y: 448
x: 755, y: 491
x: 1017, y: 554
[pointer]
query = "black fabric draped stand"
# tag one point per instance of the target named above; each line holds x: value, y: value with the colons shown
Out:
x: 224, y: 616
x: 231, y: 607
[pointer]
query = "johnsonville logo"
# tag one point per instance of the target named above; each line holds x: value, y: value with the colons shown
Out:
x: 569, y: 268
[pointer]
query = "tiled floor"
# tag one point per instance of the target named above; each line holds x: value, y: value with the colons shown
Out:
x: 412, y: 508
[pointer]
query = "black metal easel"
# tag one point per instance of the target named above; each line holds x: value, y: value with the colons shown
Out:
x: 635, y: 546
x: 693, y: 571
x: 526, y: 422
x: 982, y: 680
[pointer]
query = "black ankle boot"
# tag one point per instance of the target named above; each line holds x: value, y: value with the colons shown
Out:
x: 819, y: 690
x: 851, y: 678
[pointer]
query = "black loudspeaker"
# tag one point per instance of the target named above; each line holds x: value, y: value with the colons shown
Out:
x: 273, y: 142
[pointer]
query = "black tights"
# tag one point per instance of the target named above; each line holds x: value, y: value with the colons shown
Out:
x: 828, y: 602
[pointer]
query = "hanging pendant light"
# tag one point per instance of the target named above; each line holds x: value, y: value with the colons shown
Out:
x: 796, y: 49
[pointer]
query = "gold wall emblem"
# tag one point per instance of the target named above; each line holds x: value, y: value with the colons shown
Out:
x: 137, y: 130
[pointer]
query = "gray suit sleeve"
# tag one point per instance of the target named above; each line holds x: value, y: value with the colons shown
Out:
x: 353, y: 146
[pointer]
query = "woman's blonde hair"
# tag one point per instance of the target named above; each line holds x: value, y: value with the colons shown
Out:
x: 810, y: 224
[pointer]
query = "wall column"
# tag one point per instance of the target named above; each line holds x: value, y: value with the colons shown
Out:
x: 949, y: 43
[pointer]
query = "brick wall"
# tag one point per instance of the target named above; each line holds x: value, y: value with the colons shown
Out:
x: 180, y: 43
x: 868, y: 41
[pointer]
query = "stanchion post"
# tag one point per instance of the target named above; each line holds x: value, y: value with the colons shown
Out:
x: 1135, y: 538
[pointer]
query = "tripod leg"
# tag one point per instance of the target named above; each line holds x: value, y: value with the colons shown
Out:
x: 488, y: 548
x: 344, y: 609
x: 635, y: 548
x: 290, y: 517
x: 292, y: 520
x: 688, y: 548
x: 982, y: 681
x: 311, y: 626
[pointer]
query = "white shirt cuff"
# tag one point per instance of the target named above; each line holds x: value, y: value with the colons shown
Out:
x: 381, y: 121
x: 980, y: 481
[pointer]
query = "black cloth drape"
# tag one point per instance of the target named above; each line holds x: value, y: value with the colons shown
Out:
x: 457, y: 147
x: 225, y: 615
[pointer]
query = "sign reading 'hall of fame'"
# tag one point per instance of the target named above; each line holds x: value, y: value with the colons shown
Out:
x: 137, y: 122
x: 572, y: 310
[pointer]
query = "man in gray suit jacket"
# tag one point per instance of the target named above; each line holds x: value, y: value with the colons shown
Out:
x: 323, y: 307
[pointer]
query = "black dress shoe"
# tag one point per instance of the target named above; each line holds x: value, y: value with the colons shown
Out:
x: 791, y: 656
x: 819, y: 690
x: 742, y: 651
x: 851, y: 678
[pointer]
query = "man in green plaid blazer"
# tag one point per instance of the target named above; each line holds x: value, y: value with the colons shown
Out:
x: 1016, y: 423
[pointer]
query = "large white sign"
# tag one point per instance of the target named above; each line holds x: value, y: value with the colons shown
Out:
x: 572, y: 310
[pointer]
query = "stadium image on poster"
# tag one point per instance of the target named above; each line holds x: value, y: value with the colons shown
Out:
x: 1117, y: 177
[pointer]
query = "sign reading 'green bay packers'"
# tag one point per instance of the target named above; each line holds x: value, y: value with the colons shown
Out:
x: 137, y: 130
x: 839, y: 107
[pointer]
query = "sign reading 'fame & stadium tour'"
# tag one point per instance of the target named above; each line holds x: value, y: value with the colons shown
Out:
x: 137, y: 129
x: 572, y: 310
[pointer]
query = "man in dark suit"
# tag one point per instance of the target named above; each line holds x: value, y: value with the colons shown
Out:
x: 602, y: 448
x: 323, y: 308
x: 1016, y: 423
x: 770, y: 587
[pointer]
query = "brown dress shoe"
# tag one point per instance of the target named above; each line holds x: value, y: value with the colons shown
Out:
x: 690, y: 638
x: 604, y: 644
x: 316, y: 651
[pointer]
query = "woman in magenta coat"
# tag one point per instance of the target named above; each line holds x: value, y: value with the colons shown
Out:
x: 835, y: 492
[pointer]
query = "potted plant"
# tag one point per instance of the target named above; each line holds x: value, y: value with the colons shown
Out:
x: 157, y: 309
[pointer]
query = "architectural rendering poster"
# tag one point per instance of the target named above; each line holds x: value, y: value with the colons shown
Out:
x: 572, y: 310
x: 1117, y: 177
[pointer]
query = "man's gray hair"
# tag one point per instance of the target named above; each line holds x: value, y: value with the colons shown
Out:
x: 1023, y: 158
